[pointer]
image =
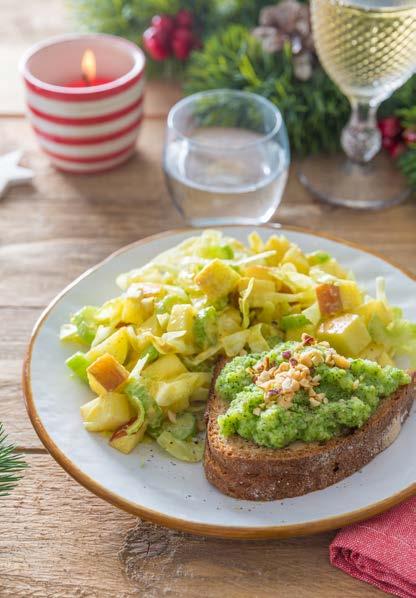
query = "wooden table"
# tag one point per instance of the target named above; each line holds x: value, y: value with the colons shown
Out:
x: 56, y: 539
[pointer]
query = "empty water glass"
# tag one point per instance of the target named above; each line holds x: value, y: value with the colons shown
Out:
x: 226, y: 158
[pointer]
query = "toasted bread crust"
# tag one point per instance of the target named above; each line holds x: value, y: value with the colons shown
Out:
x: 242, y: 469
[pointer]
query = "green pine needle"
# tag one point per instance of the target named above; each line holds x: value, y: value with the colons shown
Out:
x: 11, y: 464
x: 407, y: 116
x: 407, y: 163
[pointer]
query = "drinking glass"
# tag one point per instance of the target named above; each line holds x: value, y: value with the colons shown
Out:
x: 226, y: 158
x: 368, y: 48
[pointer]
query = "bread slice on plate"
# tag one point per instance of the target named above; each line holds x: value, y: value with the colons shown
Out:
x: 242, y: 469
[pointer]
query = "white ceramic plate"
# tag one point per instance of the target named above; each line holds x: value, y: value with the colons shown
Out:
x: 150, y: 484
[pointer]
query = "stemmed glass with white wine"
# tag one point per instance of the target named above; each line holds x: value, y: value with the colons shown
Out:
x: 368, y: 47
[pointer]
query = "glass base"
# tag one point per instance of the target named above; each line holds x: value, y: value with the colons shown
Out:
x: 373, y: 186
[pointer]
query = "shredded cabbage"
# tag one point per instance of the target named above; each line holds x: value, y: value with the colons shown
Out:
x: 245, y: 303
x: 397, y: 338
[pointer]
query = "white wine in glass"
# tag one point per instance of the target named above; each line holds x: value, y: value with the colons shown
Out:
x: 368, y: 48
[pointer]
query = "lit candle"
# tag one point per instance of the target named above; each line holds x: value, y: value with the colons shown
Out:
x: 85, y: 123
x: 89, y: 72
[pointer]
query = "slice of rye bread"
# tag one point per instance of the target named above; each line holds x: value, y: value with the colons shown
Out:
x: 242, y: 469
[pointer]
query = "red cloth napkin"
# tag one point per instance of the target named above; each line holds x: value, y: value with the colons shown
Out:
x: 381, y: 551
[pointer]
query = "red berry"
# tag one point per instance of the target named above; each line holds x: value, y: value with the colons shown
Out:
x: 182, y: 43
x: 390, y: 126
x: 164, y: 23
x: 184, y: 18
x: 388, y: 142
x: 409, y: 135
x: 157, y: 43
x: 397, y: 149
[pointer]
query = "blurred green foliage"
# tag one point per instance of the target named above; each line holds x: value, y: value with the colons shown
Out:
x: 315, y: 111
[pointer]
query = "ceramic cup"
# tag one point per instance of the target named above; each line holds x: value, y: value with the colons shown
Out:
x: 85, y: 129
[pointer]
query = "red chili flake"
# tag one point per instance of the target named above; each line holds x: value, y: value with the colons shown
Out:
x: 273, y: 392
x: 293, y: 362
x: 287, y: 354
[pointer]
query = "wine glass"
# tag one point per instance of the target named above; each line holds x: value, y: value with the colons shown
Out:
x: 226, y: 158
x: 368, y: 47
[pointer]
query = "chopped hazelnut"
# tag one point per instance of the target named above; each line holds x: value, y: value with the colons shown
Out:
x: 341, y: 362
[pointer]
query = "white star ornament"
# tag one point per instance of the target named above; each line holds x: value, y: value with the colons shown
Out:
x: 11, y: 173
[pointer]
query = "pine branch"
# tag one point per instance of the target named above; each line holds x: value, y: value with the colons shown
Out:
x: 11, y: 464
x: 408, y: 115
x: 407, y: 163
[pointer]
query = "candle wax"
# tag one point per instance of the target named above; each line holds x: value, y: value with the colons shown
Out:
x: 83, y: 83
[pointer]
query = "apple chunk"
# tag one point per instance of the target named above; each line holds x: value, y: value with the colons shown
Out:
x: 347, y: 334
x: 106, y: 413
x: 106, y: 374
x: 329, y: 299
x: 351, y: 295
x: 125, y: 442
x: 217, y: 279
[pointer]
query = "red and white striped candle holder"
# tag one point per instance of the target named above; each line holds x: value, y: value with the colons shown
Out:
x: 83, y: 125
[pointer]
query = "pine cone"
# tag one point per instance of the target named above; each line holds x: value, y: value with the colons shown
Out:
x: 303, y: 22
x: 272, y: 40
x: 283, y: 16
x: 288, y: 21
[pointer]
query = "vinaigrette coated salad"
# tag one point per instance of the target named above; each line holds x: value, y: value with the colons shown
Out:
x: 148, y: 354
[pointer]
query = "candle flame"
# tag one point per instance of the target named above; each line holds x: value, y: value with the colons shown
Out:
x: 88, y: 66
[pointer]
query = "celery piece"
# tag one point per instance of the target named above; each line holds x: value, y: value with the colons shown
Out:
x: 151, y: 353
x: 85, y: 322
x: 136, y: 391
x: 78, y: 363
x: 206, y: 365
x: 185, y: 450
x: 294, y: 321
x: 69, y: 333
x: 183, y: 428
x: 205, y: 328
x: 165, y: 305
x: 138, y: 422
x: 222, y: 252
x: 318, y: 257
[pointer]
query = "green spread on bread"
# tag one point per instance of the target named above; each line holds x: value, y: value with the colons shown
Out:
x: 301, y: 391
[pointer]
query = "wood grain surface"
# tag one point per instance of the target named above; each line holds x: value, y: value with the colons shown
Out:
x: 56, y: 539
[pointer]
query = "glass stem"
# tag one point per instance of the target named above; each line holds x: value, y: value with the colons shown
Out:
x: 361, y: 138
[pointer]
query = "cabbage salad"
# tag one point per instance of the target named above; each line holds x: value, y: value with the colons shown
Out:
x: 148, y: 354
